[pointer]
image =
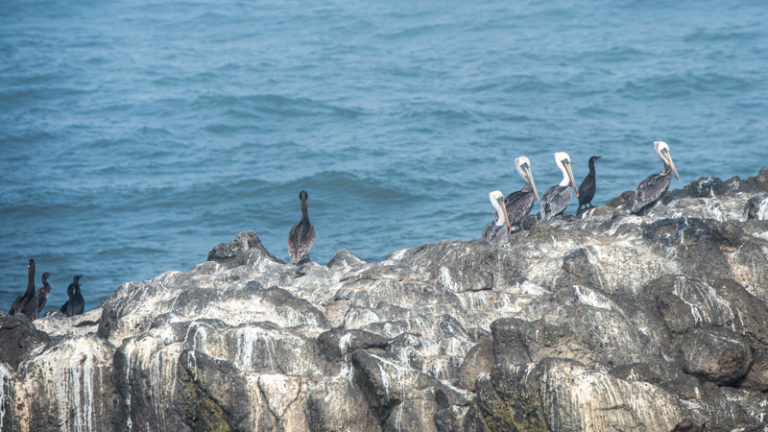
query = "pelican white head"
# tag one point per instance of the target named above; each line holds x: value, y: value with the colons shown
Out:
x: 564, y: 163
x: 497, y: 201
x: 523, y: 165
x: 662, y: 151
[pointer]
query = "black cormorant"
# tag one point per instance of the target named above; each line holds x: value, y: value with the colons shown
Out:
x: 21, y: 301
x: 36, y: 305
x: 75, y: 304
x: 42, y: 294
x: 587, y: 187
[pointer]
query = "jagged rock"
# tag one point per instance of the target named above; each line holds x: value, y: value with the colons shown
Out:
x: 339, y: 405
x: 756, y: 208
x: 757, y: 378
x: 334, y: 344
x: 78, y: 367
x: 605, y: 321
x: 717, y: 355
x: 345, y: 258
x: 685, y: 304
x: 213, y: 393
x: 244, y: 249
x: 17, y: 338
x: 479, y: 359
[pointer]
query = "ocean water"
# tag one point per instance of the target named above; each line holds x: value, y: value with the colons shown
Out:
x: 135, y: 135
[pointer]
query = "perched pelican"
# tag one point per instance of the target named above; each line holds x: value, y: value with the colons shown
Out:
x: 556, y: 198
x: 75, y: 304
x: 500, y: 227
x: 520, y: 203
x: 587, y: 187
x: 21, y: 301
x: 302, y: 235
x: 653, y: 188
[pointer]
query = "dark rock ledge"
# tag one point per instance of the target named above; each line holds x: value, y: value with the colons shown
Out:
x: 609, y: 322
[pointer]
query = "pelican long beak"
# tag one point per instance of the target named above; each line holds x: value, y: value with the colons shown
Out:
x: 671, y: 164
x: 504, y: 212
x: 567, y: 166
x: 530, y: 179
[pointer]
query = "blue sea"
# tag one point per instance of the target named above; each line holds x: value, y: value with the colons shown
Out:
x: 135, y: 135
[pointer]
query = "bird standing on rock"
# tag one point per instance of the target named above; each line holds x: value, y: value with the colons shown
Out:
x: 556, y: 198
x: 21, y: 301
x: 302, y: 235
x: 520, y: 203
x: 588, y: 186
x: 36, y: 305
x: 75, y: 304
x: 655, y: 186
x: 500, y: 227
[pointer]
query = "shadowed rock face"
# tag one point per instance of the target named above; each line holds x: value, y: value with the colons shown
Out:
x: 606, y: 322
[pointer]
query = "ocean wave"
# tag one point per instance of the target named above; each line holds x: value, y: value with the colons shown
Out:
x: 729, y: 34
x: 272, y: 104
x: 675, y: 86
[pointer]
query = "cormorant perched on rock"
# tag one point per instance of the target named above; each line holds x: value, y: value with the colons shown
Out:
x: 587, y: 187
x: 36, y: 305
x: 520, y: 203
x: 653, y: 188
x: 500, y: 227
x: 302, y: 235
x: 75, y: 304
x: 21, y: 301
x: 556, y: 198
x: 41, y: 296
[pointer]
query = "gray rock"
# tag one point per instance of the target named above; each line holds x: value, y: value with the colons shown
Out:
x: 244, y: 249
x: 345, y: 258
x: 757, y: 378
x: 717, y: 355
x: 605, y: 321
x: 335, y: 344
x: 18, y: 337
x: 479, y: 359
x: 756, y: 208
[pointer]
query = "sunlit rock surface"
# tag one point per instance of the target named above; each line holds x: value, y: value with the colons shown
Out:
x: 608, y: 322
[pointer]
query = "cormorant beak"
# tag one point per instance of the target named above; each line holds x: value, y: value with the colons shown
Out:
x: 567, y: 165
x: 671, y: 164
x: 504, y: 212
x: 530, y: 179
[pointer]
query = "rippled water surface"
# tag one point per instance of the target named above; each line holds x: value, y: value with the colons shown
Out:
x: 135, y: 135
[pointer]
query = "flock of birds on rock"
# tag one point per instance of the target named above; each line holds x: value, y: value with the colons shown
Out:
x: 510, y: 211
x: 32, y: 302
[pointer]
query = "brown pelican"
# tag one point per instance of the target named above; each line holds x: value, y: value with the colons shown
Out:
x: 302, y: 235
x: 520, y: 203
x: 21, y: 301
x: 75, y: 304
x: 556, y: 198
x: 587, y: 186
x: 653, y: 188
x: 500, y: 227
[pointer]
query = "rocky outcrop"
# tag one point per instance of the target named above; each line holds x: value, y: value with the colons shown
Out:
x: 608, y: 322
